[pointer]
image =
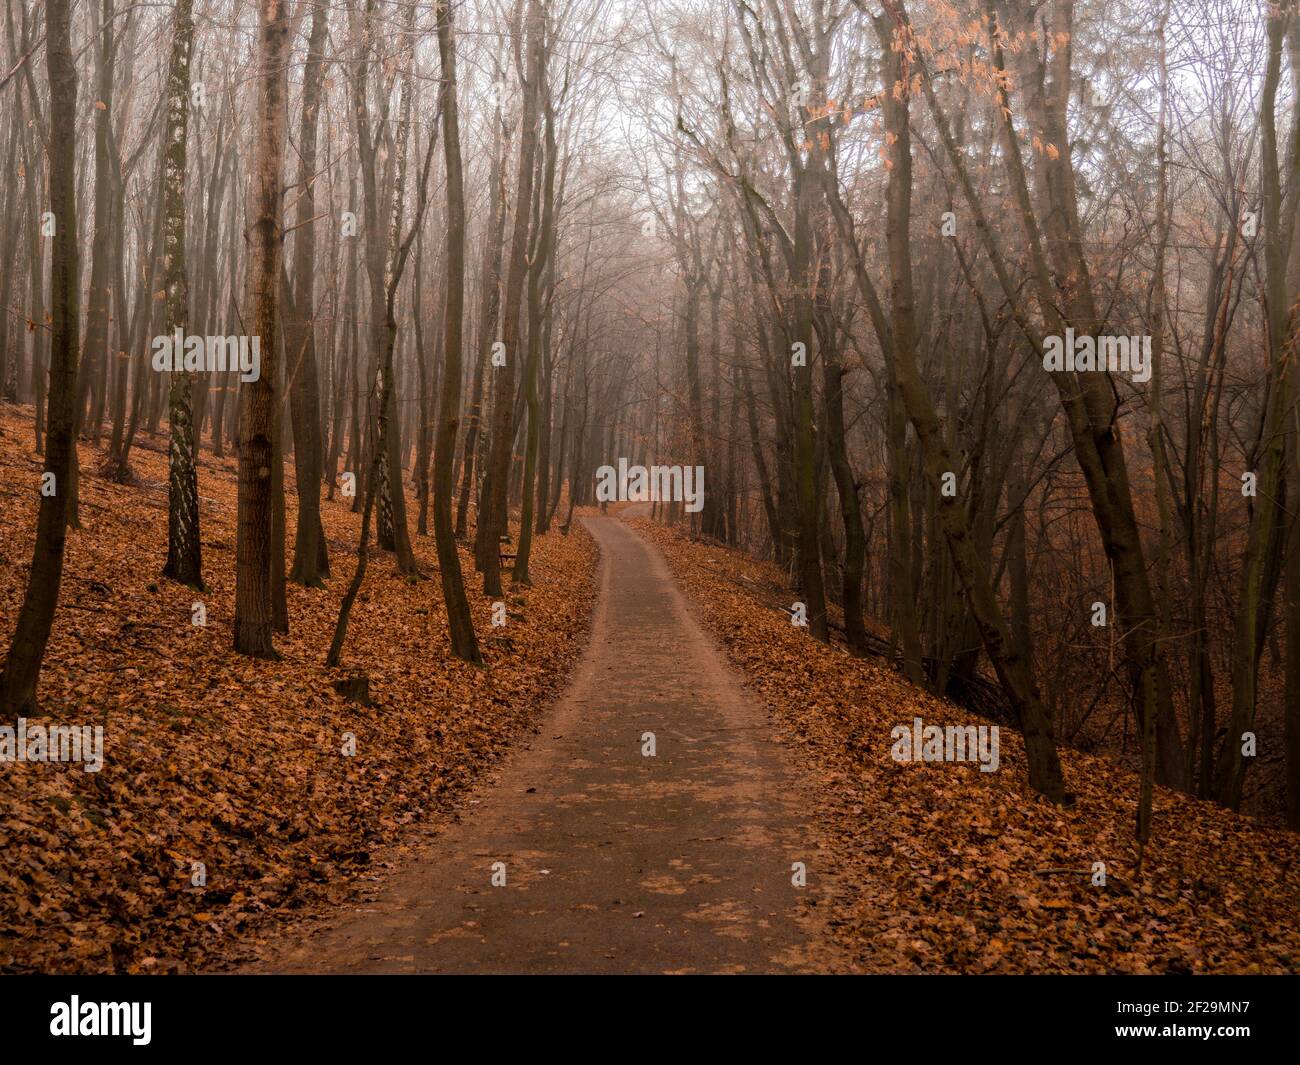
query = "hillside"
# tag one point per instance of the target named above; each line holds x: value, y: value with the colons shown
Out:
x: 213, y: 758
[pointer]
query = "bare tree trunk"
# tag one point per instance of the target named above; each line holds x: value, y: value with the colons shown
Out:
x: 259, y: 403
x: 459, y: 620
x: 184, y: 551
x: 22, y: 665
x: 537, y: 269
x: 846, y: 486
x: 310, y: 556
x: 94, y: 352
x: 807, y: 504
x: 1256, y: 579
x: 490, y: 305
x: 493, y: 516
x: 424, y: 431
x: 1164, y: 533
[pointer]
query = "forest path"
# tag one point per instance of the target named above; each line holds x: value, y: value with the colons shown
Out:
x: 615, y: 861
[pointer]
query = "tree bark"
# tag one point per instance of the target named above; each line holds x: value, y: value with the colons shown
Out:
x: 493, y: 517
x: 22, y: 665
x: 310, y: 555
x: 184, y: 550
x: 460, y: 622
x: 259, y: 403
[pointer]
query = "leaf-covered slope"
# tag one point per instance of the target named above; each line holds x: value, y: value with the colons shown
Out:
x: 237, y: 764
x: 942, y: 868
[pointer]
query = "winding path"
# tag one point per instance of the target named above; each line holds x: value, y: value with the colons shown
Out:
x: 615, y: 861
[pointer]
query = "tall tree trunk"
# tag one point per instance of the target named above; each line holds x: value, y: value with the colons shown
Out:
x: 424, y: 431
x: 1157, y: 443
x: 184, y: 550
x: 259, y: 403
x: 94, y: 352
x: 537, y: 270
x: 490, y: 305
x: 459, y: 620
x: 310, y: 555
x: 807, y: 504
x: 493, y: 516
x: 846, y: 486
x: 22, y: 665
x: 1256, y: 580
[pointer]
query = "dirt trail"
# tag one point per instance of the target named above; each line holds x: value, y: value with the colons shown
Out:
x: 614, y: 861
